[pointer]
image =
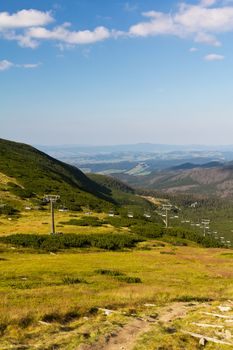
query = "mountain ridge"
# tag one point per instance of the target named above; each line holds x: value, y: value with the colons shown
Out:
x: 32, y: 173
x: 210, y: 179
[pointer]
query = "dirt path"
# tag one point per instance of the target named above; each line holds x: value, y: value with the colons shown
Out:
x: 127, y: 337
x: 171, y: 312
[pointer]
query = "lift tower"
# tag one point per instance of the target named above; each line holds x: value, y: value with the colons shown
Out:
x: 52, y: 198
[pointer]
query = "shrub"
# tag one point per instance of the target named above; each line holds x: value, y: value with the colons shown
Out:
x: 120, y: 276
x: 52, y: 317
x: 70, y: 315
x: 109, y: 272
x: 3, y: 327
x: 72, y: 280
x: 20, y: 191
x: 8, y: 210
x: 26, y: 321
x: 148, y: 229
x: 67, y: 241
x: 84, y: 221
x: 180, y: 232
x: 129, y: 279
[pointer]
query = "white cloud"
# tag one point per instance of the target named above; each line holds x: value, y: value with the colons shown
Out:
x: 194, y: 19
x: 207, y: 3
x: 213, y: 57
x: 130, y: 8
x: 22, y: 39
x: 4, y: 65
x: 24, y: 19
x: 63, y: 34
x: 208, y: 39
x: 201, y: 22
x: 193, y: 49
x: 160, y: 23
x: 30, y: 65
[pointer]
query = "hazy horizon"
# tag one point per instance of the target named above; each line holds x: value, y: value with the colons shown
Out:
x: 118, y: 144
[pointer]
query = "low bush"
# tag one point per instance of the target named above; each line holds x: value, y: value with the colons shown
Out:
x: 3, y: 327
x: 25, y: 321
x: 61, y: 318
x: 190, y: 298
x: 120, y: 276
x: 8, y: 210
x: 67, y: 241
x: 52, y: 317
x: 19, y: 191
x: 168, y: 253
x: 72, y: 280
x: 129, y: 279
x: 148, y: 229
x: 109, y: 272
x: 84, y: 221
x: 193, y: 236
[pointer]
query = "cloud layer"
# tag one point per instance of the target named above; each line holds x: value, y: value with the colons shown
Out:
x: 201, y: 23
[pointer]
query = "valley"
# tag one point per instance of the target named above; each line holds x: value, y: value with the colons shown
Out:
x: 113, y: 276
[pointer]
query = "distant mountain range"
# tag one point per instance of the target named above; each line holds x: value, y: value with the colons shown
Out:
x: 202, y: 170
x: 210, y: 179
x: 139, y: 159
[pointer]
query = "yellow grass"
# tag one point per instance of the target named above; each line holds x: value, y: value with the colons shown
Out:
x: 33, y: 287
x: 39, y: 222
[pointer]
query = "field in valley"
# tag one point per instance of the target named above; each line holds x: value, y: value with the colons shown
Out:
x: 144, y: 297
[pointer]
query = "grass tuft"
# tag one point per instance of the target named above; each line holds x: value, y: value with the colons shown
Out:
x: 72, y: 280
x: 109, y: 272
x: 25, y: 321
x: 128, y: 279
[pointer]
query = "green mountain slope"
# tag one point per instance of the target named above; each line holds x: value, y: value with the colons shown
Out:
x: 26, y: 174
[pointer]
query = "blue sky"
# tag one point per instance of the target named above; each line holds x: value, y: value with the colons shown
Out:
x: 114, y: 72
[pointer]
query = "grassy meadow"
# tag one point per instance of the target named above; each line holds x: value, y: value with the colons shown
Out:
x: 39, y: 222
x: 58, y: 300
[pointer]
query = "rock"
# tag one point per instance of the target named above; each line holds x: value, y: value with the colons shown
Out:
x: 86, y: 335
x: 113, y: 334
x: 202, y: 341
x: 106, y: 312
x: 154, y: 316
x: 227, y: 334
x: 44, y: 323
x: 170, y: 330
x: 224, y: 308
